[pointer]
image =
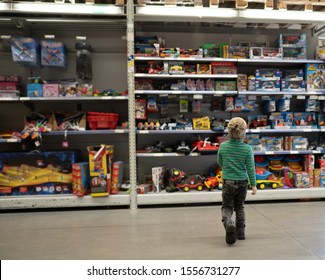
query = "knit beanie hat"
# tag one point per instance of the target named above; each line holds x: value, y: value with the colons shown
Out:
x: 237, y: 128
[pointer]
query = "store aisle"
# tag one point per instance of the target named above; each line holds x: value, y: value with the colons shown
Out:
x: 288, y: 231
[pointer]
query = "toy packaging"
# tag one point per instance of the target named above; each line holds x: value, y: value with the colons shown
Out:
x: 203, y: 69
x: 243, y: 105
x: 295, y: 41
x: 315, y: 77
x: 283, y: 104
x: 140, y: 109
x: 198, y: 53
x: 147, y: 46
x: 85, y: 90
x: 259, y: 121
x: 36, y: 173
x: 302, y: 180
x: 293, y: 85
x: 224, y: 68
x: 265, y: 53
x: 294, y: 53
x: 169, y: 52
x: 293, y: 74
x: 201, y: 123
x: 320, y: 49
x: 312, y: 105
x: 80, y: 178
x: 242, y: 82
x: 117, y: 176
x: 267, y: 74
x: 237, y: 52
x: 34, y: 90
x: 158, y: 178
x: 189, y: 69
x: 53, y: 53
x: 50, y: 90
x: 157, y: 67
x: 283, y: 120
x: 225, y: 85
x: 269, y: 85
x: 176, y: 67
x: 100, y: 169
x: 68, y: 89
x: 83, y: 60
x: 304, y: 120
x: 25, y: 51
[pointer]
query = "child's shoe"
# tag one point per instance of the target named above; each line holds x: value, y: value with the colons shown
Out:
x: 240, y: 233
x: 230, y: 233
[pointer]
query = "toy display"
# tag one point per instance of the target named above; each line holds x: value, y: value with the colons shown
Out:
x: 242, y: 82
x: 205, y: 146
x: 265, y: 53
x: 25, y: 51
x: 53, y: 53
x: 158, y: 177
x: 117, y: 176
x: 289, y: 85
x: 176, y: 67
x: 225, y: 86
x: 80, y: 178
x: 36, y: 173
x: 191, y: 53
x: 203, y: 69
x: 259, y: 121
x: 223, y: 68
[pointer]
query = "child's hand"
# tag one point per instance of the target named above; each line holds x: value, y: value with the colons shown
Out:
x: 254, y: 190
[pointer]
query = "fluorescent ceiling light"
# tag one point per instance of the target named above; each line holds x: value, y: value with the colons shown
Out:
x: 68, y: 8
x: 189, y: 12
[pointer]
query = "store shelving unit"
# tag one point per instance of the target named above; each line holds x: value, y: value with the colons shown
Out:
x: 17, y: 13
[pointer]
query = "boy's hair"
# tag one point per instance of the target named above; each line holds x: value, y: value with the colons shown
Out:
x: 237, y: 128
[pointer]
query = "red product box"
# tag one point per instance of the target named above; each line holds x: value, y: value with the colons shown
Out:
x: 117, y: 176
x: 8, y: 86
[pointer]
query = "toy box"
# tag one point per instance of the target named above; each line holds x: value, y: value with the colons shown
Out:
x: 293, y: 85
x: 305, y: 120
x: 265, y: 53
x: 53, y: 53
x: 283, y: 104
x: 294, y: 53
x: 238, y: 52
x: 259, y: 121
x: 320, y: 49
x: 169, y: 52
x: 189, y: 69
x: 158, y: 67
x: 51, y: 90
x: 144, y: 188
x: 140, y: 109
x: 283, y: 120
x: 225, y: 85
x: 302, y: 180
x: 68, y: 89
x: 315, y: 77
x: 158, y: 178
x: 299, y: 143
x: 203, y: 69
x: 224, y: 68
x: 100, y: 169
x: 145, y: 50
x: 25, y: 51
x: 273, y: 143
x: 243, y: 105
x: 312, y: 105
x: 269, y: 85
x: 198, y: 53
x: 176, y: 67
x: 211, y: 50
x: 293, y: 74
x: 295, y: 41
x: 34, y: 90
x: 266, y: 74
x: 36, y: 173
x: 242, y: 82
x: 80, y: 178
x: 117, y: 176
x: 74, y: 121
x: 201, y: 123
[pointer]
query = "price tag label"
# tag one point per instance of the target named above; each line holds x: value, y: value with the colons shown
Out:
x: 197, y: 96
x: 269, y: 153
x: 301, y: 97
x: 294, y: 152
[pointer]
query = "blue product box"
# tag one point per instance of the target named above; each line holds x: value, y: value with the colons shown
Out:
x: 34, y: 90
x: 266, y: 74
x: 315, y: 77
x: 294, y: 53
x: 25, y: 51
x: 269, y: 85
x: 293, y: 85
x: 295, y: 41
x: 53, y: 53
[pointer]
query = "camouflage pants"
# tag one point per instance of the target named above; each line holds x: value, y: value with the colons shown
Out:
x: 233, y: 199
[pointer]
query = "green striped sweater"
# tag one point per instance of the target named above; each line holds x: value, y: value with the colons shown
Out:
x: 236, y: 160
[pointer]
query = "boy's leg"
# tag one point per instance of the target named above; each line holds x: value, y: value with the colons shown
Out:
x: 228, y: 193
x: 239, y: 209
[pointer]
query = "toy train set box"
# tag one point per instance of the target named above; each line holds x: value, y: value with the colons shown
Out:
x: 23, y: 173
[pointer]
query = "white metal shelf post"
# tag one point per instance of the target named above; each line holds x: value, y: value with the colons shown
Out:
x: 131, y: 104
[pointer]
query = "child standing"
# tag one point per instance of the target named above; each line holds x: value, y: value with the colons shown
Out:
x: 236, y: 160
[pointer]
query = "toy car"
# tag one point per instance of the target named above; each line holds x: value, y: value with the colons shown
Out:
x: 192, y: 182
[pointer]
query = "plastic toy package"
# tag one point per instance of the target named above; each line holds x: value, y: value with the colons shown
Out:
x: 258, y: 121
x: 293, y: 85
x: 53, y: 53
x: 270, y: 85
x: 25, y: 51
x: 312, y: 105
x: 176, y: 67
x: 284, y: 104
x: 315, y: 77
x: 265, y: 53
x: 283, y: 120
x: 83, y: 61
x: 290, y: 40
x: 305, y: 120
x: 266, y: 74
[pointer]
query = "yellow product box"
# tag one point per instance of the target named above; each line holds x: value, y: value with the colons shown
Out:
x: 201, y: 123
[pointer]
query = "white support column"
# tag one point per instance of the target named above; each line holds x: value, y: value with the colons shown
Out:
x: 131, y: 107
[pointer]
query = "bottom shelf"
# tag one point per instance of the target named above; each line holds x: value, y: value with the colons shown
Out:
x: 162, y: 198
x: 61, y: 201
x: 215, y: 196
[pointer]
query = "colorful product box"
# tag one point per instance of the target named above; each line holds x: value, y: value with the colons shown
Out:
x: 25, y: 51
x: 203, y: 69
x: 293, y: 85
x: 80, y: 178
x: 192, y: 53
x: 315, y: 77
x: 294, y: 53
x: 34, y: 90
x: 53, y: 53
x: 158, y: 176
x: 224, y: 68
x: 51, y: 90
x: 295, y: 41
x: 269, y: 85
x: 100, y: 169
x: 266, y: 74
x: 117, y: 176
x: 237, y: 52
x: 265, y: 53
x: 302, y: 180
x: 68, y: 89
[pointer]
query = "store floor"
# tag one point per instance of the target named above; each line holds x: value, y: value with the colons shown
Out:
x: 275, y: 231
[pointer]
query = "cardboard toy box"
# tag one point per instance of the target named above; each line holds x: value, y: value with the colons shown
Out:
x: 36, y: 173
x: 51, y: 90
x: 117, y: 176
x: 100, y: 169
x: 80, y: 178
x: 315, y: 77
x: 34, y: 90
x: 158, y: 176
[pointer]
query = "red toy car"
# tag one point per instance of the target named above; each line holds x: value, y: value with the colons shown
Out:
x: 192, y: 182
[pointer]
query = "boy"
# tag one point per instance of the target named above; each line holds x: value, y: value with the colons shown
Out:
x: 236, y: 160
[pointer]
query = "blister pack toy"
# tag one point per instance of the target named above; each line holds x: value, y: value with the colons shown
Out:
x: 305, y: 120
x: 83, y: 60
x: 315, y: 77
x: 283, y: 120
x: 53, y: 53
x: 25, y: 51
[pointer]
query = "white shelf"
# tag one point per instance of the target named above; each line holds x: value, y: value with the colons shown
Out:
x: 277, y: 61
x: 205, y: 59
x: 151, y: 155
x: 60, y: 201
x: 12, y: 140
x: 268, y: 93
x: 215, y: 196
x: 185, y: 76
x: 85, y: 132
x: 76, y: 98
x: 184, y: 131
x: 192, y: 92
